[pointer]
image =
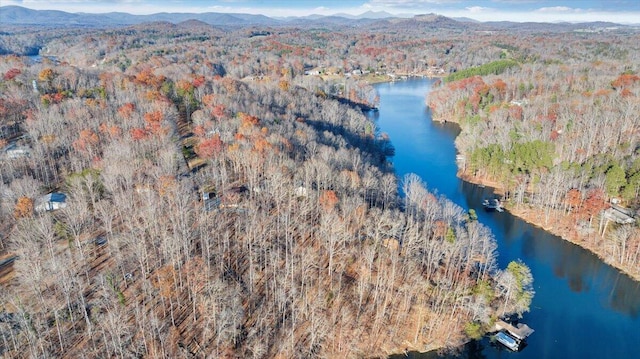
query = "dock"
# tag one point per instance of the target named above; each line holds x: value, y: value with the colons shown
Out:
x: 492, y: 205
x: 520, y: 332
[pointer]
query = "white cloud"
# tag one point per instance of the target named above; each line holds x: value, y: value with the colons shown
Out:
x: 476, y: 9
x: 518, y: 1
x: 556, y: 9
x: 411, y: 3
x: 572, y: 15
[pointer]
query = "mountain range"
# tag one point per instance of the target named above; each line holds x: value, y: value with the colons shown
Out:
x: 17, y: 15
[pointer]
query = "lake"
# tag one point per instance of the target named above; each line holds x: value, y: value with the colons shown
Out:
x: 583, y: 308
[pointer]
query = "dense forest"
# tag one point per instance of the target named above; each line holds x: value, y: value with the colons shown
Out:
x: 555, y: 125
x: 220, y: 193
x: 225, y: 195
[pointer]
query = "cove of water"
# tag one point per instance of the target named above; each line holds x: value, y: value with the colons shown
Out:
x: 582, y: 308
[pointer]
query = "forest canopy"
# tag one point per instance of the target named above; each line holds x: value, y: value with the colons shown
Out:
x: 182, y: 190
x: 558, y: 134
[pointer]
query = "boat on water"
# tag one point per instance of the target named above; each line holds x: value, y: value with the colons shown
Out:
x: 508, y: 341
x: 491, y: 205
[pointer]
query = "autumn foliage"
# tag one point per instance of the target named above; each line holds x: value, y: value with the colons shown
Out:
x: 625, y: 80
x: 138, y: 133
x: 126, y: 110
x: 86, y: 139
x: 113, y: 130
x: 209, y: 147
x: 218, y: 111
x: 282, y: 234
x: 198, y: 81
x: 46, y: 75
x: 23, y: 208
x: 11, y: 74
x: 328, y: 200
x: 594, y: 203
x: 148, y: 78
x: 153, y: 121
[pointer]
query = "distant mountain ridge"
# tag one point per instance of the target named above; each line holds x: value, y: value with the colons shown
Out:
x: 17, y: 15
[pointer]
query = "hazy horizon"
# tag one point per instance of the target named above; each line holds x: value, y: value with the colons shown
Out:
x: 618, y: 11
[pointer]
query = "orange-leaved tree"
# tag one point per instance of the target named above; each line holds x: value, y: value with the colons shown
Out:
x: 46, y: 75
x: 573, y: 199
x: 328, y: 200
x: 154, y: 121
x: 209, y: 147
x: 23, y: 208
x: 126, y: 110
x: 86, y: 140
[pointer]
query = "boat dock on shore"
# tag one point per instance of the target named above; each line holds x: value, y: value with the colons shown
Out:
x: 512, y: 336
x: 521, y: 331
x: 491, y: 205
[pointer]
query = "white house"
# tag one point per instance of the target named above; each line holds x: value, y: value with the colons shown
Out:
x: 14, y: 151
x: 50, y: 202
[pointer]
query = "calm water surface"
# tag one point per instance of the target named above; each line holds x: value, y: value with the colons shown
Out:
x: 582, y: 308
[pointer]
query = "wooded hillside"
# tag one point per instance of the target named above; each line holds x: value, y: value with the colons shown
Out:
x: 218, y: 202
x: 559, y: 133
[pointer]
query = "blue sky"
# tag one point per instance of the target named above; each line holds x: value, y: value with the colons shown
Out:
x: 621, y: 11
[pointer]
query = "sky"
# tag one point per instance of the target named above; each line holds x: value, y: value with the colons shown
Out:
x: 619, y: 11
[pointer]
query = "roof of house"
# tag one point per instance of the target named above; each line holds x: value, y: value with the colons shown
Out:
x: 58, y: 197
x: 54, y: 197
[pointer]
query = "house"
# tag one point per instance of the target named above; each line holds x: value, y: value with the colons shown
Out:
x: 14, y: 151
x: 301, y: 191
x: 51, y: 202
x: 520, y: 103
x: 313, y: 72
x: 619, y: 215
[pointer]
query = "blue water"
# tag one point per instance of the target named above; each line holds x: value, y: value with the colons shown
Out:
x: 583, y: 308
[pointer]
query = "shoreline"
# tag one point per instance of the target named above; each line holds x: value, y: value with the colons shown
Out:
x: 556, y: 224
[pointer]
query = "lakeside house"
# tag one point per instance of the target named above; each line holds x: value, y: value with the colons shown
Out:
x: 619, y: 214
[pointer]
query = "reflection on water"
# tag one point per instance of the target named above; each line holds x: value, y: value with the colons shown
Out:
x: 471, y: 350
x: 581, y: 307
